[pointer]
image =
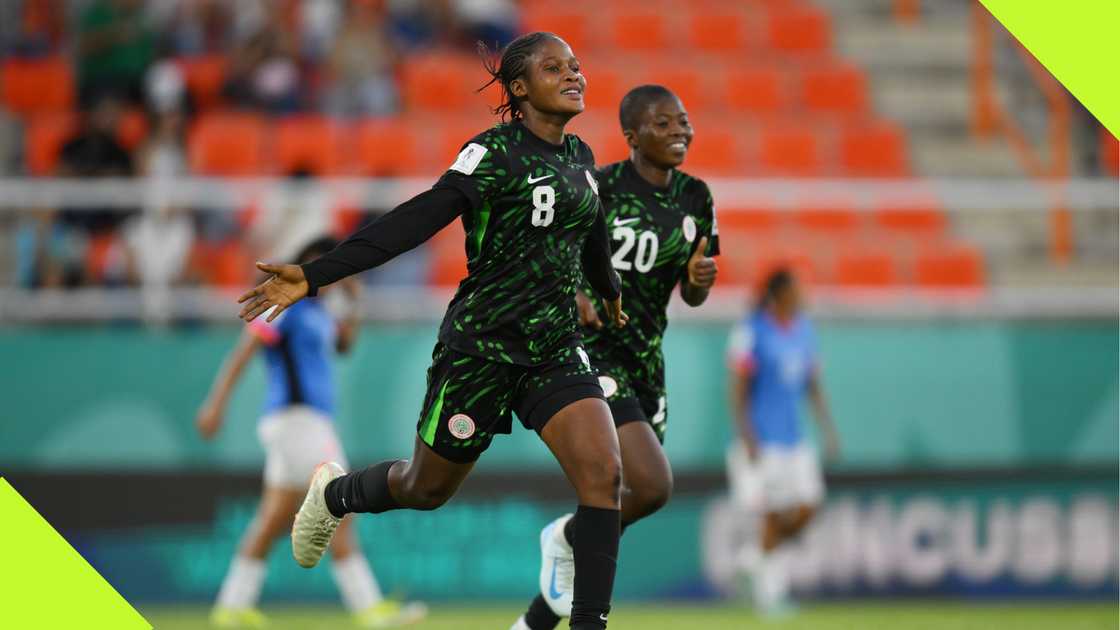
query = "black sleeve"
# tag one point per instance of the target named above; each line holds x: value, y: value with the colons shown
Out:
x: 392, y: 234
x: 597, y: 260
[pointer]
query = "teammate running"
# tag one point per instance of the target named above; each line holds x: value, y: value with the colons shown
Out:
x: 510, y: 340
x: 297, y: 433
x: 772, y: 357
x: 664, y: 233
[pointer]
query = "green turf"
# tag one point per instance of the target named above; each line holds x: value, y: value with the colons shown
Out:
x: 886, y: 616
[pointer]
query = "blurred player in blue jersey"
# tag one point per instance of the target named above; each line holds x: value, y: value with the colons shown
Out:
x: 773, y: 470
x: 297, y: 433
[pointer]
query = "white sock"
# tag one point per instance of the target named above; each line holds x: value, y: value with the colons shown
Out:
x: 356, y: 582
x: 771, y: 583
x: 242, y: 586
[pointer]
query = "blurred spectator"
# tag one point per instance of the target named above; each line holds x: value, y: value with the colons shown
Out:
x: 32, y: 28
x: 165, y: 87
x: 319, y: 22
x: 78, y: 246
x: 158, y: 242
x: 493, y: 22
x: 263, y: 71
x: 290, y: 216
x: 192, y: 27
x: 361, y: 65
x: 115, y: 47
x: 419, y: 24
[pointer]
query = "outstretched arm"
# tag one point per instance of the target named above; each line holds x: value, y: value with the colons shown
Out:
x: 210, y: 415
x: 597, y: 268
x: 392, y: 234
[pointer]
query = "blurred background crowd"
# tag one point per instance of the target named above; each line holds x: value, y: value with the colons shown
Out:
x: 302, y: 89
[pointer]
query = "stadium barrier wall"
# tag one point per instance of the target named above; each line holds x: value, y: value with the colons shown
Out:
x: 907, y: 394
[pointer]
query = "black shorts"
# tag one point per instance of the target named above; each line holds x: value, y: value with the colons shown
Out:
x: 471, y: 399
x: 633, y: 399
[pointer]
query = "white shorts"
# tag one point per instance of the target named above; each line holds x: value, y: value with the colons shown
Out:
x: 297, y: 439
x: 782, y: 478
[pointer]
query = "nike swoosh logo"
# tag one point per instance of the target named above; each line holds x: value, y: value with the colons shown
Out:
x: 602, y: 617
x: 622, y: 222
x: 552, y: 592
x: 533, y: 181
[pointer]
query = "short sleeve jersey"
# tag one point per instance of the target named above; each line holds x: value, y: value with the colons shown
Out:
x: 782, y: 358
x: 654, y: 231
x: 532, y: 205
x: 298, y: 349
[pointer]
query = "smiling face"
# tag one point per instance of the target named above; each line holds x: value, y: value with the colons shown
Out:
x: 552, y: 82
x: 663, y: 132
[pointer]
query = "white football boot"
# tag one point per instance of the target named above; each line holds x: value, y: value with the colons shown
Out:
x: 558, y: 567
x: 314, y: 524
x: 520, y: 624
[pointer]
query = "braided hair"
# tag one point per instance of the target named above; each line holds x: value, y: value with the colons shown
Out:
x: 779, y: 280
x: 512, y: 65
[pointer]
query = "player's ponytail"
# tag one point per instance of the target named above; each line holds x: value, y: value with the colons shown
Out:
x: 779, y: 280
x: 512, y: 65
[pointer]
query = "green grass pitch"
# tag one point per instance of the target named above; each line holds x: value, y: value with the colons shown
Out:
x: 926, y: 615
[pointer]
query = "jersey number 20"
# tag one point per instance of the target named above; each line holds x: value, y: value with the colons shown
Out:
x: 543, y: 199
x: 645, y: 255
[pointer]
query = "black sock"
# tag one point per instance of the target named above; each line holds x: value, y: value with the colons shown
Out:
x: 540, y: 616
x: 362, y: 491
x: 595, y: 533
x: 569, y: 531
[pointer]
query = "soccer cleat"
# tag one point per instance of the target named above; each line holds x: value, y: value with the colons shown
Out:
x: 558, y: 567
x: 314, y: 524
x: 390, y: 614
x: 238, y: 618
x: 520, y: 624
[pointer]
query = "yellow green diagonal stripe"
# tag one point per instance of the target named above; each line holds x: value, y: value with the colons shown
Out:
x: 1078, y: 42
x: 45, y: 583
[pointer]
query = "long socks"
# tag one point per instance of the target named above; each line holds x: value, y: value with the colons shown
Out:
x: 356, y: 582
x: 362, y: 491
x: 595, y: 533
x: 241, y: 587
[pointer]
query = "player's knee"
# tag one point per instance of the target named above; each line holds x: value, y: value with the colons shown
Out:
x: 426, y: 496
x: 604, y: 479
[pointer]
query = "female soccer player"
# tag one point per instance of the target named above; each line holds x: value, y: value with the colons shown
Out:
x: 772, y: 357
x: 297, y: 433
x: 664, y: 233
x: 510, y: 340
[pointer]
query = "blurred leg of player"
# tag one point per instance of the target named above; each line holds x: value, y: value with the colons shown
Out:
x: 783, y: 489
x: 647, y: 483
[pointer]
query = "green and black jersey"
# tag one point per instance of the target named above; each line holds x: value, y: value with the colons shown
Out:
x: 654, y: 231
x: 533, y: 205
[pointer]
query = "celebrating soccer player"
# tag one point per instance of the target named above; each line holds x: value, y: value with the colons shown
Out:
x: 510, y: 340
x: 772, y: 357
x: 664, y: 234
x: 297, y: 433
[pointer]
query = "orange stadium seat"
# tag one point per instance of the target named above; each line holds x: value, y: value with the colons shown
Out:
x: 204, y: 77
x: 448, y: 257
x: 924, y: 221
x: 755, y: 89
x: 840, y: 89
x: 230, y: 144
x: 835, y: 219
x: 789, y: 150
x: 35, y: 86
x: 45, y: 135
x: 717, y: 32
x: 714, y: 151
x: 685, y: 82
x: 568, y: 24
x: 803, y: 29
x: 953, y: 266
x: 439, y: 82
x: 638, y: 31
x: 453, y: 134
x: 604, y: 88
x: 874, y: 151
x: 309, y: 143
x: 767, y: 261
x: 133, y: 129
x: 386, y: 146
x: 866, y: 269
x: 607, y: 141
x: 1110, y: 153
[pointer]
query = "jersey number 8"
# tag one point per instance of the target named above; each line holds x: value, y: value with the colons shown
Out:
x: 543, y: 199
x: 643, y: 258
